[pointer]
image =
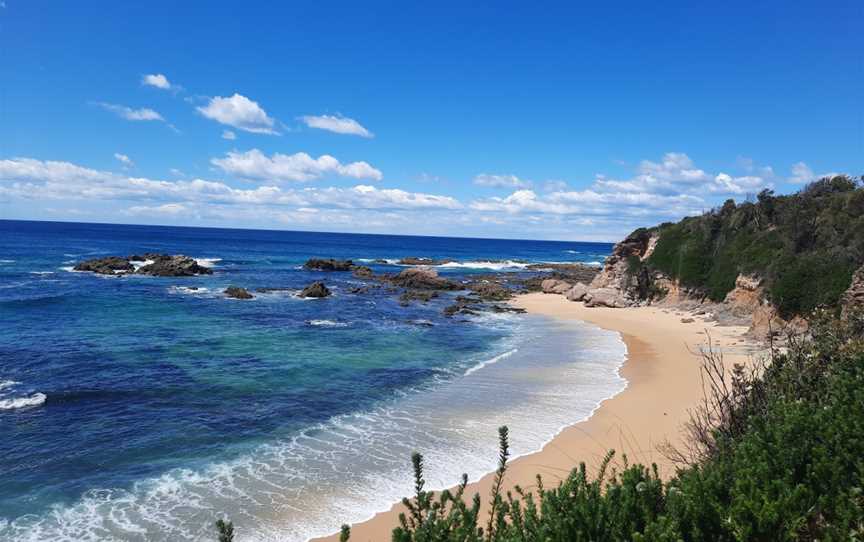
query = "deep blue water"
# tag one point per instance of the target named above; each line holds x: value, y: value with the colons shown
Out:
x: 144, y: 376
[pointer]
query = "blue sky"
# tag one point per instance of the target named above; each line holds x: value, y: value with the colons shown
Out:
x: 559, y: 120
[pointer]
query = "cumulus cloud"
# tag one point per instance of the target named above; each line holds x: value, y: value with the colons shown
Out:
x: 229, y: 135
x: 500, y: 181
x: 27, y: 178
x: 337, y: 124
x: 239, y: 112
x: 171, y: 209
x: 299, y: 167
x: 123, y: 159
x: 129, y: 113
x: 156, y: 80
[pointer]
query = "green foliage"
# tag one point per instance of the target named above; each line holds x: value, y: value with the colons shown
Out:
x: 786, y: 463
x: 803, y: 246
x: 226, y: 530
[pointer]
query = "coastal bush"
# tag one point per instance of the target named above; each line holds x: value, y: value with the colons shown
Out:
x: 804, y: 246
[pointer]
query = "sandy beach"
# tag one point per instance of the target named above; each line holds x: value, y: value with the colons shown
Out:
x: 662, y: 371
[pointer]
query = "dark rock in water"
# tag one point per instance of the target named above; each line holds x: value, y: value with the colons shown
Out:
x: 111, y: 265
x: 507, y: 308
x: 417, y: 295
x: 463, y: 305
x: 419, y: 278
x: 490, y: 291
x: 382, y: 261
x: 328, y: 264
x: 422, y: 261
x: 362, y: 272
x: 266, y: 290
x: 316, y: 289
x: 172, y: 266
x: 236, y: 292
x: 161, y: 265
x: 424, y: 323
x: 359, y: 290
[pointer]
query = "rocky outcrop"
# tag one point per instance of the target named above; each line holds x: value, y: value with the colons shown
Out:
x: 328, y: 264
x: 157, y: 265
x: 422, y: 278
x: 316, y: 289
x: 617, y: 273
x: 555, y: 286
x: 106, y: 266
x: 236, y: 292
x: 490, y: 291
x: 853, y: 297
x: 573, y: 272
x: 162, y: 265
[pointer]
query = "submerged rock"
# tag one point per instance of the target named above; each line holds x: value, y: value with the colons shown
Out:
x: 316, y: 289
x: 417, y: 295
x: 362, y: 272
x: 236, y: 292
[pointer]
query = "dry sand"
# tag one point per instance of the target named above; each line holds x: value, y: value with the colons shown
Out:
x: 662, y: 371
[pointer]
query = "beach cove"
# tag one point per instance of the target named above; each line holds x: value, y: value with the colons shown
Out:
x: 662, y: 371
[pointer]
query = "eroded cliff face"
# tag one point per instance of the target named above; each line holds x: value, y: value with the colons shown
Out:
x: 853, y: 298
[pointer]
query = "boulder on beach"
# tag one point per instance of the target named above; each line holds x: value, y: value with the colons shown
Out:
x: 422, y: 278
x: 555, y: 286
x: 236, y: 292
x: 605, y: 297
x: 316, y: 289
x: 577, y: 292
x: 328, y: 264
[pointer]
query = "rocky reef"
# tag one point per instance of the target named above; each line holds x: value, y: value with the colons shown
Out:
x: 153, y: 264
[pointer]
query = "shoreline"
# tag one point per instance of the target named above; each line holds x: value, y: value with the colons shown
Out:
x: 663, y: 382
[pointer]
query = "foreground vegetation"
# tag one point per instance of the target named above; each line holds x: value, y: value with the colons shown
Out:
x: 804, y: 246
x: 776, y: 452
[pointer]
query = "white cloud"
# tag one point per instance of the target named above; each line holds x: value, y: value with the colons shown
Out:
x: 295, y: 167
x: 801, y: 174
x: 27, y: 178
x: 500, y: 181
x: 240, y: 112
x: 554, y: 186
x: 171, y: 209
x: 229, y: 135
x: 131, y: 114
x: 339, y: 125
x: 156, y: 80
x: 123, y: 159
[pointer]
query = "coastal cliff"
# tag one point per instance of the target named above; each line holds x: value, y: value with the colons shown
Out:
x: 768, y: 263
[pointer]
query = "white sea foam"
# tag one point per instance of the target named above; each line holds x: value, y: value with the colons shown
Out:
x: 352, y: 466
x: 208, y: 262
x: 490, y: 361
x: 6, y: 261
x: 20, y: 402
x: 594, y: 264
x: 41, y: 272
x: 502, y: 265
x: 7, y: 384
x: 326, y: 323
x: 189, y: 290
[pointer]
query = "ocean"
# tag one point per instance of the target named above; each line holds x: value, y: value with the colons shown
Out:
x: 144, y: 408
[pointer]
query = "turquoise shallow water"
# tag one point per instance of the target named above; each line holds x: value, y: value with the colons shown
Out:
x: 164, y: 406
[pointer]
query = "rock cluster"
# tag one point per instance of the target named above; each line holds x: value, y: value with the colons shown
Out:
x: 157, y: 265
x: 422, y: 278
